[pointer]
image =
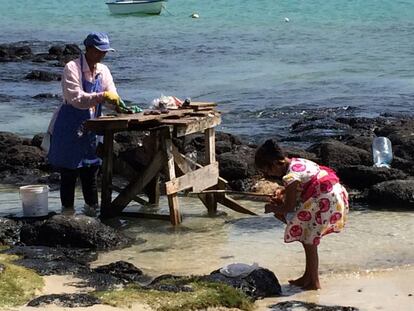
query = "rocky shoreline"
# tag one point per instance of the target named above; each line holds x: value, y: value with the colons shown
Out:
x: 66, y: 245
x: 342, y: 143
x: 23, y: 162
x: 61, y: 244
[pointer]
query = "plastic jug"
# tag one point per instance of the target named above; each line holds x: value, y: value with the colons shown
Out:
x: 382, y: 152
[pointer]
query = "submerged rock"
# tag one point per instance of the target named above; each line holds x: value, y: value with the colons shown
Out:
x: 65, y: 300
x: 306, y: 306
x: 9, y: 231
x: 73, y: 231
x: 319, y: 127
x: 122, y: 270
x: 15, y: 52
x: 63, y: 261
x: 22, y: 51
x: 112, y: 276
x: 41, y: 75
x: 81, y: 256
x: 47, y: 96
x: 48, y: 260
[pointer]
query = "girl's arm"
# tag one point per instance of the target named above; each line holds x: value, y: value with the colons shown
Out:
x: 289, y: 201
x: 290, y: 198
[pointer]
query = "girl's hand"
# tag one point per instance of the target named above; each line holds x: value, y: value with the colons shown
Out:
x: 270, y: 208
x: 278, y: 196
x: 281, y: 217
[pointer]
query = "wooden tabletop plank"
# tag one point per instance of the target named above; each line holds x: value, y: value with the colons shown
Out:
x: 203, y: 104
x: 125, y: 121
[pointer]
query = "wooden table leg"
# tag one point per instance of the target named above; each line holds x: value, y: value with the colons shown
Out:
x: 152, y: 190
x: 137, y: 184
x: 175, y: 215
x: 106, y: 191
x: 210, y: 157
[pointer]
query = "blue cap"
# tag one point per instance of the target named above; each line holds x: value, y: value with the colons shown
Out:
x: 98, y: 40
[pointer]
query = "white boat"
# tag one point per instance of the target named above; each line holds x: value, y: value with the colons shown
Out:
x: 136, y: 6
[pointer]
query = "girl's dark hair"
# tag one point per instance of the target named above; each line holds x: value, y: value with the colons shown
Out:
x: 267, y: 154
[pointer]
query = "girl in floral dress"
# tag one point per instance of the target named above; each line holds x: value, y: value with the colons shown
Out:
x: 314, y: 198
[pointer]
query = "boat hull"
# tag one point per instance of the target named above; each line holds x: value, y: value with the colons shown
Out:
x: 131, y: 7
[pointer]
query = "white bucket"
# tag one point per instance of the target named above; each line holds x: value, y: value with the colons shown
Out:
x: 34, y: 200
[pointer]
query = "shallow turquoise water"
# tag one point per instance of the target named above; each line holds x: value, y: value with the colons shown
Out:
x: 371, y: 240
x: 241, y: 54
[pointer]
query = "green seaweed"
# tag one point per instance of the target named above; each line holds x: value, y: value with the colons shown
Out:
x: 17, y: 284
x: 204, y: 295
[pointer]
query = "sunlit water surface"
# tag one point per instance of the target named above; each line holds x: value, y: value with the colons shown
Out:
x: 372, y: 239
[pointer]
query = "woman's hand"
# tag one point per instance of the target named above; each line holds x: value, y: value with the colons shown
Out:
x: 112, y: 98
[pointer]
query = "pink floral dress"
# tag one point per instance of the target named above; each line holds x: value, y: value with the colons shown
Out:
x: 323, y: 204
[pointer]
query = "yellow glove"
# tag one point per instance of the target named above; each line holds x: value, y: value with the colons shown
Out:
x: 112, y: 98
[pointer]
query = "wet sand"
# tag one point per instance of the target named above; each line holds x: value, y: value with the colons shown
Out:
x: 391, y: 289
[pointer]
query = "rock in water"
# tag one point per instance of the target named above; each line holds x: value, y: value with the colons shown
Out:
x: 73, y: 231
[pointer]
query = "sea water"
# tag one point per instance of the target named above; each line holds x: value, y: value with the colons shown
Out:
x: 354, y: 57
x: 347, y: 57
x: 371, y: 239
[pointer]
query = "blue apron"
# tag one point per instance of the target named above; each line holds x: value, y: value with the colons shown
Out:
x: 71, y: 144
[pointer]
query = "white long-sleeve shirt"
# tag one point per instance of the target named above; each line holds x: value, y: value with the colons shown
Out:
x: 73, y: 93
x: 72, y: 83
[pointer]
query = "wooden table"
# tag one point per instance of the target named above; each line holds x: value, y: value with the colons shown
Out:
x: 198, y: 117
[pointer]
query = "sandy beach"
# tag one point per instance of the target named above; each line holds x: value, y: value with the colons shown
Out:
x: 390, y: 289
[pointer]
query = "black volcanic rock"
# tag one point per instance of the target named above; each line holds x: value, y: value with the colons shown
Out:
x: 393, y: 193
x: 73, y: 231
x: 42, y: 75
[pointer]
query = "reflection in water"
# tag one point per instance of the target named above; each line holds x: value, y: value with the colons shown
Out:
x: 201, y: 244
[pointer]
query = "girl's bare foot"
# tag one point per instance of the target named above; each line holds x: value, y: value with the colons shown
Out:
x: 311, y: 286
x: 300, y: 282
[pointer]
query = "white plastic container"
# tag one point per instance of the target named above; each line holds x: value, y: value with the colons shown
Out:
x: 35, y: 200
x: 382, y: 152
x: 238, y: 269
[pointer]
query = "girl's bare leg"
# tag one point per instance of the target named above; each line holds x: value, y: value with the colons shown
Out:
x: 304, y: 279
x: 312, y: 267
